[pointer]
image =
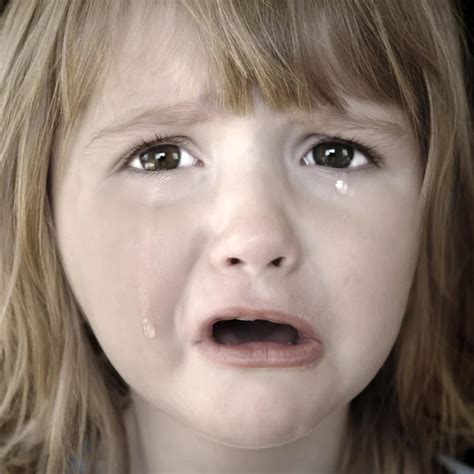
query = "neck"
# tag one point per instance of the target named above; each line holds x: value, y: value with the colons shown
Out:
x: 159, y: 443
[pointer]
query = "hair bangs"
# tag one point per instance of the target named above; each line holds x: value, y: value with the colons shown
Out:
x: 303, y: 54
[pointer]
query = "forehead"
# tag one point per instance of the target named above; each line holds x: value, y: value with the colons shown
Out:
x: 158, y: 52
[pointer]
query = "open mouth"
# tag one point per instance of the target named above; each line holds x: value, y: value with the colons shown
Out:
x: 254, y: 339
x: 236, y: 331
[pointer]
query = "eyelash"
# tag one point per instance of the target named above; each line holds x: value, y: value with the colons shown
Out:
x: 373, y: 155
x: 142, y: 145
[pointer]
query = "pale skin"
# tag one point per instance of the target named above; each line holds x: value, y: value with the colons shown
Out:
x: 156, y: 245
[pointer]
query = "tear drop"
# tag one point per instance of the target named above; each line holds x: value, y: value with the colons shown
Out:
x: 148, y: 329
x: 341, y: 187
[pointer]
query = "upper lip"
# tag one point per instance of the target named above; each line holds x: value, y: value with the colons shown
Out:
x: 304, y: 327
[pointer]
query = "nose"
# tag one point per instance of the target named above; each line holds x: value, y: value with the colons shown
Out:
x: 253, y: 213
x: 255, y: 247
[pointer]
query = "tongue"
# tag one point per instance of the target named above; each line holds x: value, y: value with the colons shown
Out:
x: 239, y: 332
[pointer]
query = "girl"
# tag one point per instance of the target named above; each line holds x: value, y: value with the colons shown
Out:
x: 236, y: 237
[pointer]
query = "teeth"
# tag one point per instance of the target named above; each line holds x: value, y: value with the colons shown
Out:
x: 245, y: 318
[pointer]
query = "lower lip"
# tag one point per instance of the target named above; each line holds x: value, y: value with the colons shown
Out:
x: 262, y: 354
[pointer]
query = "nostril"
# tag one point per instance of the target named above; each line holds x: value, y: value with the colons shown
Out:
x: 277, y: 261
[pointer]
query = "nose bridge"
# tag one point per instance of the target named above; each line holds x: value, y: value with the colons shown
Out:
x: 253, y: 169
x: 254, y: 184
x: 253, y: 232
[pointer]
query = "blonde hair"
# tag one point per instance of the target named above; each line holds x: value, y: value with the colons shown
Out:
x: 60, y: 398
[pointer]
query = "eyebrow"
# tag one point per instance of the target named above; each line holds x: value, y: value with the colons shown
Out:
x: 356, y: 121
x: 178, y: 114
x: 185, y: 114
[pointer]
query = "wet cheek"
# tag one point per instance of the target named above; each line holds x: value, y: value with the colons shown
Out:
x: 126, y: 262
x: 370, y: 276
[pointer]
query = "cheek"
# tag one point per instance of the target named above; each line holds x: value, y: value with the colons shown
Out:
x: 124, y: 261
x: 367, y: 258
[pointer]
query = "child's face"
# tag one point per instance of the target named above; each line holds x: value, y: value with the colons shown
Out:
x: 156, y: 245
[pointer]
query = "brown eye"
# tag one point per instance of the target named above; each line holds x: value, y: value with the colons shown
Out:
x: 160, y: 157
x: 336, y: 155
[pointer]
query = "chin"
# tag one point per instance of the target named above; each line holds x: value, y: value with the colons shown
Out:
x: 256, y: 433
